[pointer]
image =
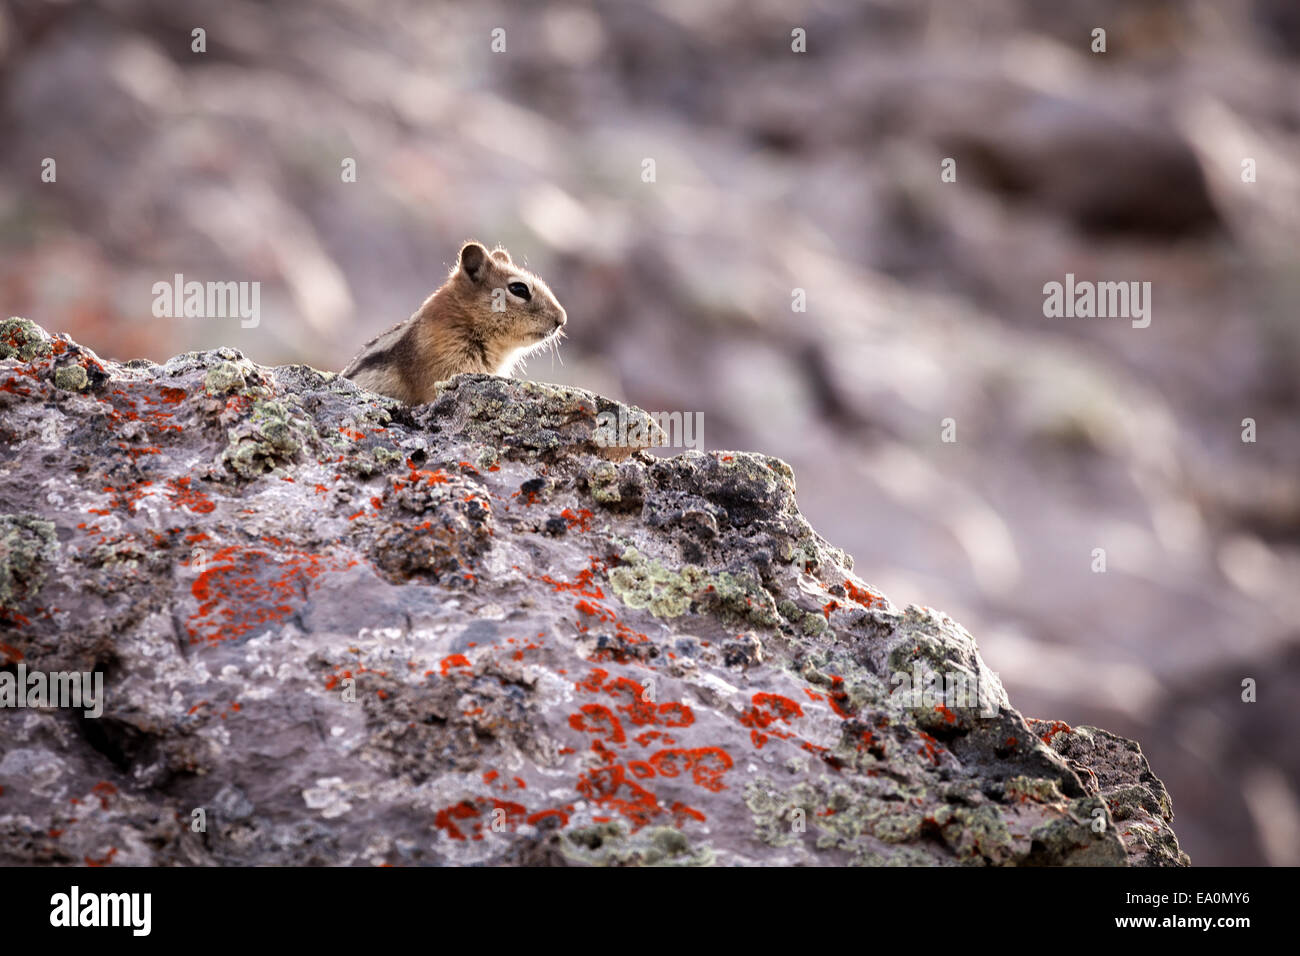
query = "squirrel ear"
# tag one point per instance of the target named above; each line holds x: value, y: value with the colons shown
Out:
x: 473, y: 260
x: 500, y: 255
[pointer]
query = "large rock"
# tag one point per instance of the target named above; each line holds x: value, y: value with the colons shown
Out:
x: 350, y: 631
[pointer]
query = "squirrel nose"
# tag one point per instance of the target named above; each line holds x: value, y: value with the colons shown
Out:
x: 561, y: 319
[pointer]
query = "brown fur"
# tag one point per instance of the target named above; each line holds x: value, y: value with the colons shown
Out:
x: 457, y: 330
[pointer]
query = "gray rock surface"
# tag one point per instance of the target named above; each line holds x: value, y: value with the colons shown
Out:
x: 337, y: 630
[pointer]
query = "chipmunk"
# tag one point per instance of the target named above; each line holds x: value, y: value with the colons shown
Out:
x: 486, y: 317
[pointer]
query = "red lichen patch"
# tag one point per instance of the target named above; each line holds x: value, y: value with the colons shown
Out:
x: 453, y: 660
x: 342, y: 672
x: 640, y: 709
x: 830, y: 606
x: 445, y: 818
x: 105, y: 790
x: 861, y: 595
x: 487, y: 814
x: 610, y: 787
x: 102, y: 861
x: 929, y: 747
x: 583, y: 583
x: 126, y: 496
x: 598, y: 719
x: 613, y: 785
x: 246, y: 590
x: 121, y: 407
x: 838, y: 698
x: 11, y: 618
x: 10, y: 655
x: 598, y: 611
x: 767, y: 709
x: 644, y: 739
x: 683, y: 716
x: 537, y: 818
x: 182, y: 495
x: 1054, y: 728
x: 11, y: 385
x: 594, y: 613
x: 580, y: 519
x: 706, y: 765
x: 139, y: 452
x: 418, y: 476
x: 494, y: 779
x: 593, y: 683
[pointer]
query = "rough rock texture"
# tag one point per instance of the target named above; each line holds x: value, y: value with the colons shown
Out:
x: 353, y: 632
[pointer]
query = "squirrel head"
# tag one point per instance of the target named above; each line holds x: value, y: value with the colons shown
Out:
x: 514, y: 311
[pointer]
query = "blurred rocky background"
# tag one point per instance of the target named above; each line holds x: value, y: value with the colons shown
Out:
x: 778, y: 171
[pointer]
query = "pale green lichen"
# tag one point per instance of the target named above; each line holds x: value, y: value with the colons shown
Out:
x: 808, y: 551
x: 274, y: 434
x: 357, y: 436
x: 609, y: 844
x: 855, y: 687
x: 813, y: 624
x: 518, y: 415
x: 603, y: 482
x: 831, y: 817
x: 642, y: 582
x: 779, y: 817
x: 924, y: 639
x: 836, y: 817
x: 1083, y: 836
x: 1038, y: 789
x: 27, y: 547
x: 70, y: 378
x: 22, y: 339
x: 974, y: 834
x: 369, y: 459
x: 1126, y: 802
x: 122, y: 558
x: 368, y: 462
x: 781, y: 468
x: 762, y: 474
x: 1159, y: 841
x: 224, y: 378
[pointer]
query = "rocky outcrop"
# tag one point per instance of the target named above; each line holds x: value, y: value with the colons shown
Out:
x: 334, y: 629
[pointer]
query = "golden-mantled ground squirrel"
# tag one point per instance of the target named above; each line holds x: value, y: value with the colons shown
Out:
x: 487, y: 316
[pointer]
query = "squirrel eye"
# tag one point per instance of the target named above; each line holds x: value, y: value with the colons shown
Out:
x: 519, y: 289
